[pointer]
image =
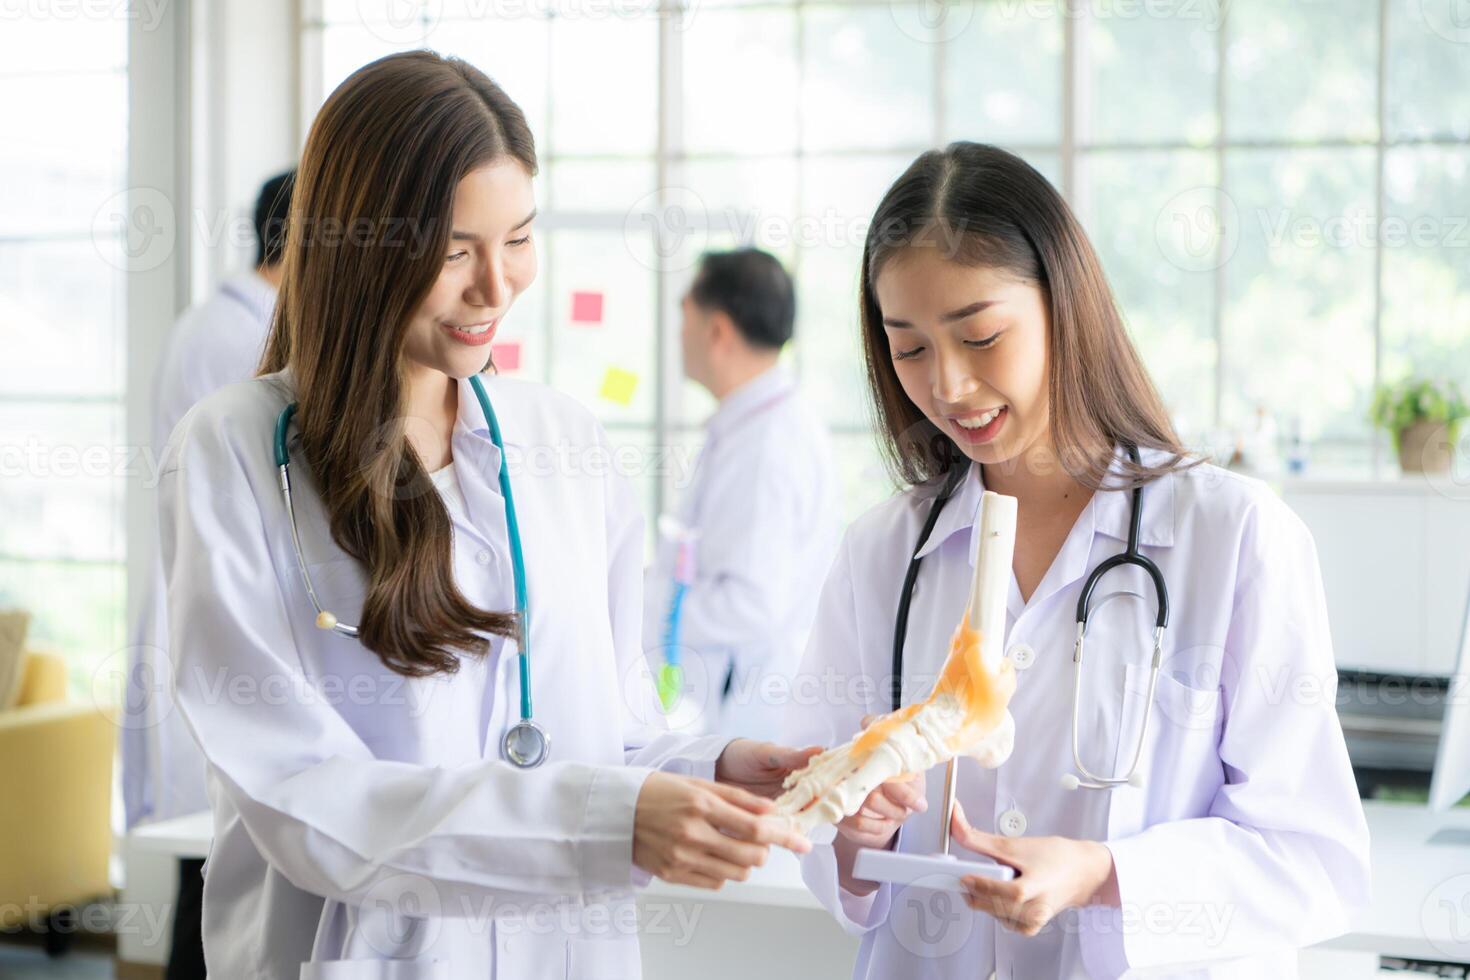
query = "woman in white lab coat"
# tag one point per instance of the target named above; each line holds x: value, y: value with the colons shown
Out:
x: 1246, y: 838
x: 365, y: 822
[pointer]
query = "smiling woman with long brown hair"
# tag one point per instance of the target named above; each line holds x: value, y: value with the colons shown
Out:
x: 367, y: 581
x: 1168, y: 783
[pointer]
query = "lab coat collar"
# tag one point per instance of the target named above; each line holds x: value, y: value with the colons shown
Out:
x: 750, y: 397
x: 1114, y: 508
x: 1108, y: 512
x: 958, y: 515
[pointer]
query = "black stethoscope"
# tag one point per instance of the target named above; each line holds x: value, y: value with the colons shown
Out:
x: 1088, y: 779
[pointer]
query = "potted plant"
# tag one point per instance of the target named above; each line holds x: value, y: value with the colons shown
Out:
x: 1423, y: 416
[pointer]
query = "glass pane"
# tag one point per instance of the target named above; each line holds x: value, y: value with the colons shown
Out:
x: 61, y: 319
x: 403, y: 13
x: 64, y: 467
x: 604, y: 85
x: 840, y: 196
x: 1049, y: 165
x: 1151, y: 72
x: 637, y: 459
x: 1149, y: 217
x: 1426, y: 263
x: 77, y: 611
x: 750, y: 202
x: 613, y: 187
x: 347, y: 47
x: 1428, y: 69
x: 867, y: 79
x: 513, y: 52
x: 63, y: 154
x: 739, y: 73
x: 44, y: 37
x: 1003, y: 72
x: 1298, y: 319
x: 1283, y: 87
x: 603, y: 325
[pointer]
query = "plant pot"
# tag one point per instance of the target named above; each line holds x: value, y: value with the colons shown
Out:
x: 1425, y: 447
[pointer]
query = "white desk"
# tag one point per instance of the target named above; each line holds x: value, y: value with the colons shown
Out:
x: 1420, y: 909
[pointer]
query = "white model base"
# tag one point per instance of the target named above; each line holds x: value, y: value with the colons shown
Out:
x: 939, y: 872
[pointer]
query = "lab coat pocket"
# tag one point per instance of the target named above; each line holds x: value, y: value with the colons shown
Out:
x: 1180, y: 762
x: 417, y: 969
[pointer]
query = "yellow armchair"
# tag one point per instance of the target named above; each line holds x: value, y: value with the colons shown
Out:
x: 55, y: 797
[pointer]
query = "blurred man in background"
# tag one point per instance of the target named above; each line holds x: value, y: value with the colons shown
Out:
x: 761, y: 517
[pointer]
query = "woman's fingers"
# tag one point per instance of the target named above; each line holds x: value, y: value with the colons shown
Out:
x: 879, y: 805
x: 873, y: 826
x: 756, y: 829
x: 1000, y: 899
x: 744, y: 799
x: 907, y: 795
x: 738, y: 852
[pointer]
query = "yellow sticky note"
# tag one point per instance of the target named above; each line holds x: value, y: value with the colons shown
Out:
x: 618, y: 385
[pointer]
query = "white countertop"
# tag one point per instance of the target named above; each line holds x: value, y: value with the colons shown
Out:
x: 1421, y: 890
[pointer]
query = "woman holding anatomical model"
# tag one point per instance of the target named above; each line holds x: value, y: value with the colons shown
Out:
x: 1165, y: 807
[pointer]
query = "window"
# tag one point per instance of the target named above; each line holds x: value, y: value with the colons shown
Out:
x: 1251, y: 174
x: 1254, y: 185
x: 63, y: 251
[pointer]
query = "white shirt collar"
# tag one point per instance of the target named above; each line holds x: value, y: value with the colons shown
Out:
x: 253, y: 292
x: 750, y: 397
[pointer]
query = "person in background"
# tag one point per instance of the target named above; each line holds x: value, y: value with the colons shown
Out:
x: 758, y: 526
x: 214, y: 343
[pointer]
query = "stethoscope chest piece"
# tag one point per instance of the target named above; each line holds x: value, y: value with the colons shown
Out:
x: 526, y: 745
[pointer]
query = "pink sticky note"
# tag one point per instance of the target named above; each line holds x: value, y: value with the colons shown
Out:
x: 506, y: 355
x: 586, y: 307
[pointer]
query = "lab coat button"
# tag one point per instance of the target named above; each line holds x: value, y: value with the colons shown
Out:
x: 483, y: 557
x: 1022, y: 656
x: 1012, y: 823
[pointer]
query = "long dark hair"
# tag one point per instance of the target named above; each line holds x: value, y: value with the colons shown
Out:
x: 365, y: 241
x: 987, y: 207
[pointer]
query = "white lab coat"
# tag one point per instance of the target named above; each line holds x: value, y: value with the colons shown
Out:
x: 1247, y: 838
x: 764, y: 505
x: 215, y: 343
x: 364, y: 823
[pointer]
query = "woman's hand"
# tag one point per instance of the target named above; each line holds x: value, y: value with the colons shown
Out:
x: 695, y: 832
x: 1052, y: 874
x: 760, y: 767
x: 885, y: 809
x: 887, y: 806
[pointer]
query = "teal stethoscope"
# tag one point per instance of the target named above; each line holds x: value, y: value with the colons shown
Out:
x: 526, y: 745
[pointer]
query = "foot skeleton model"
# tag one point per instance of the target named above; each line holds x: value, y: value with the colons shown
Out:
x: 965, y: 714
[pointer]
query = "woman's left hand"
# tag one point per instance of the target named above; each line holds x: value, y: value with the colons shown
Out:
x: 1052, y: 874
x: 760, y: 767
